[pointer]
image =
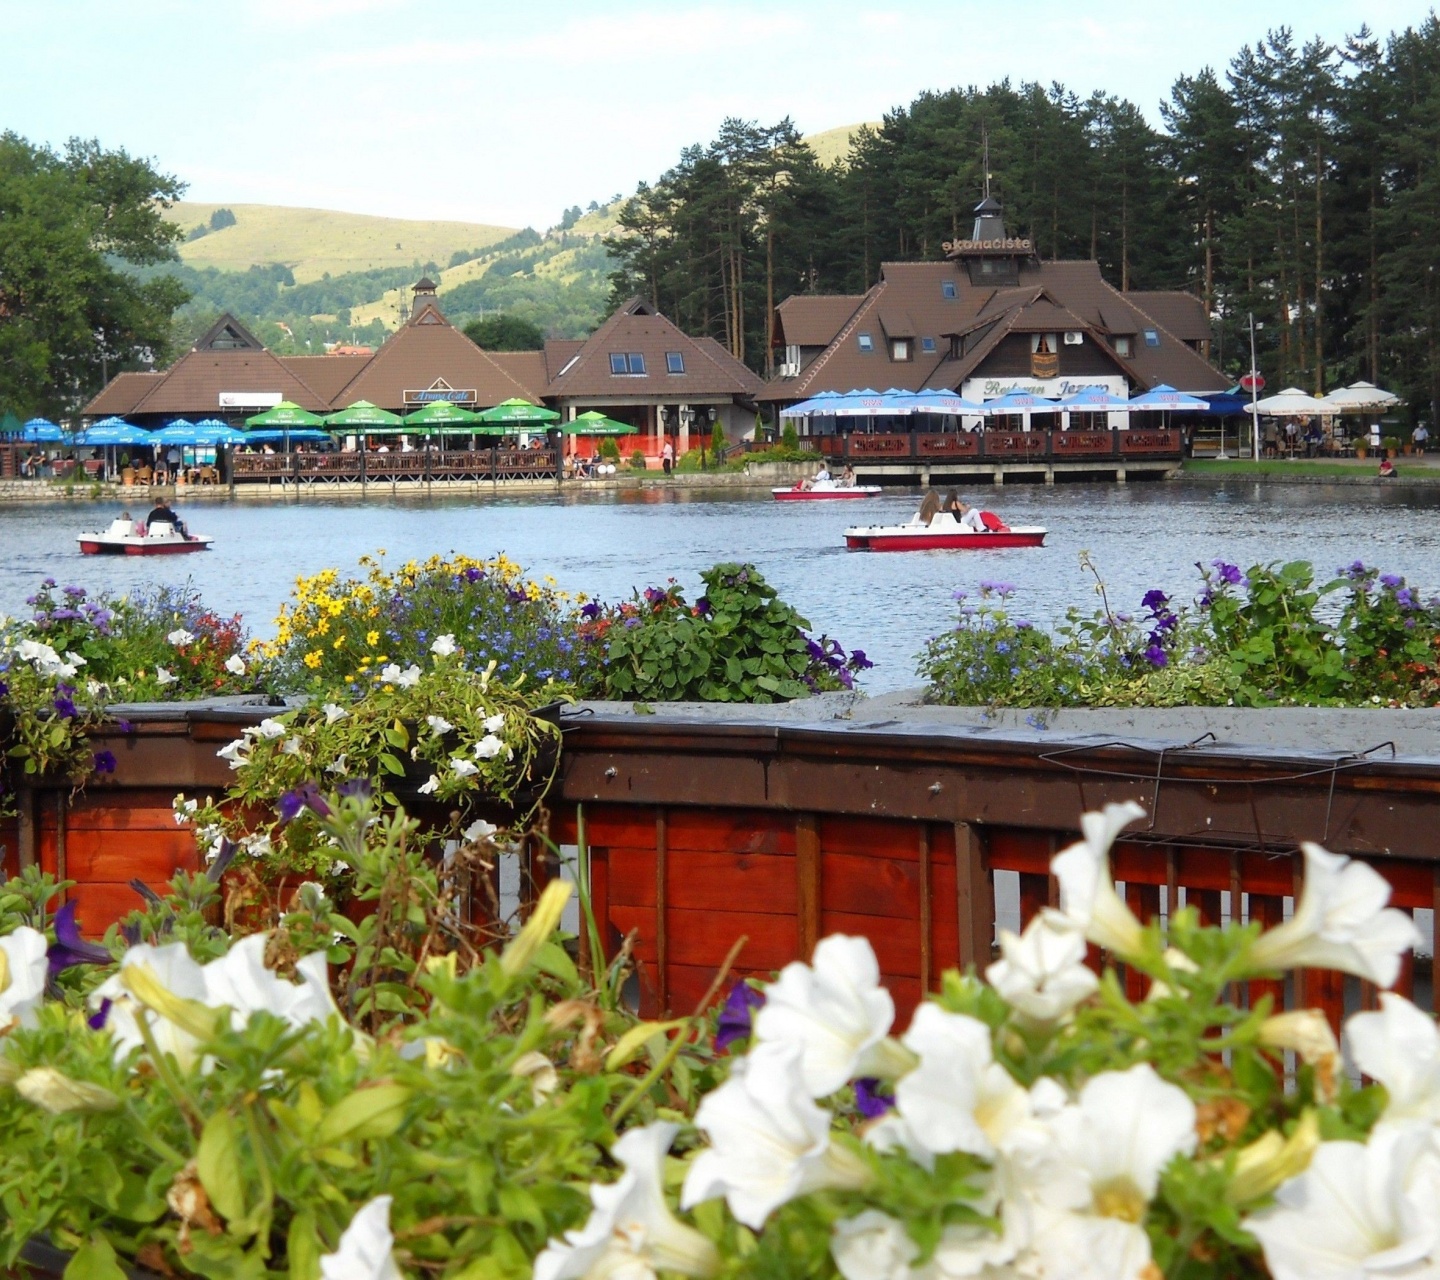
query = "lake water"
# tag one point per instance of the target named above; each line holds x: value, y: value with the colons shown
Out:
x: 605, y: 544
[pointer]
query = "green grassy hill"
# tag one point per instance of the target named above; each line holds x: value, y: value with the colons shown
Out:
x: 833, y: 144
x: 312, y: 242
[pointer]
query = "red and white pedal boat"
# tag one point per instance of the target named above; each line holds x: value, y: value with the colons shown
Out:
x: 943, y: 533
x: 826, y: 489
x: 127, y: 538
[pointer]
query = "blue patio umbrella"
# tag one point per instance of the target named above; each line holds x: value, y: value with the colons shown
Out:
x: 272, y: 436
x: 182, y: 432
x: 1167, y: 398
x: 940, y: 401
x: 113, y: 431
x: 41, y: 431
x: 1094, y: 400
x: 821, y: 403
x: 863, y: 403
x: 1021, y: 402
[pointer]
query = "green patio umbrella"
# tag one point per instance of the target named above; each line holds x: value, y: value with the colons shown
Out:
x: 439, y: 413
x: 11, y: 425
x: 366, y: 418
x: 597, y: 424
x: 518, y: 412
x: 283, y: 415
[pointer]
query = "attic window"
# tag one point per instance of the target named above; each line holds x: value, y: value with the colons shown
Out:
x: 632, y: 363
x: 1152, y: 338
x: 570, y: 364
x: 867, y: 343
x: 927, y: 345
x: 637, y: 362
x: 1122, y: 345
x: 674, y: 362
x: 947, y: 288
x: 617, y: 362
x: 899, y: 349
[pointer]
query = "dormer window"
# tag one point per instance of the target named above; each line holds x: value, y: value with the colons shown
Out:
x: 867, y: 343
x: 899, y: 349
x: 1123, y: 345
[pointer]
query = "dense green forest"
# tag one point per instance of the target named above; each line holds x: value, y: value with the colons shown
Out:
x: 1301, y: 183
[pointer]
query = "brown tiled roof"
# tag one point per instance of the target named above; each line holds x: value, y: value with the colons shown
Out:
x: 813, y: 319
x: 121, y: 394
x: 325, y: 375
x: 426, y: 348
x: 559, y: 352
x: 1057, y: 295
x: 745, y: 377
x: 194, y: 382
x: 637, y: 328
x: 1182, y: 313
x: 527, y: 368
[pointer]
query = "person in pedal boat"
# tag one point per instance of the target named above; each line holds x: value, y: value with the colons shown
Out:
x: 161, y: 511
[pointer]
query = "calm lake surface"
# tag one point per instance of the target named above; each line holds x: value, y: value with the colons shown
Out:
x: 606, y: 544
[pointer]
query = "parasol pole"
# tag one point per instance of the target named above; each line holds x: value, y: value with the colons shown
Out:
x: 1254, y: 394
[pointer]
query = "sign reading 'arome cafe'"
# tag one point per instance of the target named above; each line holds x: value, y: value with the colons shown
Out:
x: 441, y: 392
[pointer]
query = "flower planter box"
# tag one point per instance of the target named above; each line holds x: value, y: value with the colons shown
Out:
x: 42, y: 1259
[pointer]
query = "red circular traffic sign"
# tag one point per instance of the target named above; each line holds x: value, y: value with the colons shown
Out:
x: 1253, y: 382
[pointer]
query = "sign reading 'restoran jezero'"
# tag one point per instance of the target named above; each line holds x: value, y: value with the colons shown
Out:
x: 1049, y: 388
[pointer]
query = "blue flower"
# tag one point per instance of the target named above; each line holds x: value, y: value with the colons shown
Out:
x: 1405, y: 598
x: 65, y: 708
x: 297, y: 800
x: 1154, y: 600
x: 1156, y: 656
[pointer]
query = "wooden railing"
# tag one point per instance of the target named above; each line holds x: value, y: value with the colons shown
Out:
x: 318, y: 468
x: 1001, y: 446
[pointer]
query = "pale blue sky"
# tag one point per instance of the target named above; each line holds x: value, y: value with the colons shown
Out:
x: 507, y: 113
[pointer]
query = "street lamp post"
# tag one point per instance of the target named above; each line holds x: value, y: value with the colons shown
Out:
x: 1254, y: 396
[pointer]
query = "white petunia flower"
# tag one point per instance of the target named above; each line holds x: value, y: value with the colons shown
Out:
x: 835, y: 1013
x: 540, y: 1071
x: 631, y: 1232
x: 430, y: 787
x: 390, y: 673
x: 1041, y: 972
x: 1358, y: 1211
x: 184, y: 809
x: 462, y: 767
x: 180, y: 637
x: 241, y: 980
x: 164, y: 677
x: 493, y: 724
x: 958, y: 1099
x: 488, y: 747
x: 1399, y: 1047
x: 408, y: 678
x: 1340, y: 922
x: 365, y: 1251
x: 175, y: 971
x: 443, y: 646
x: 1088, y: 900
x: 74, y: 659
x: 338, y: 765
x: 1092, y: 1194
x: 768, y: 1141
x: 57, y: 1093
x: 235, y: 665
x: 256, y: 845
x: 267, y: 728
x: 872, y: 1246
x: 333, y: 712
x: 237, y: 752
x: 23, y: 970
x: 37, y: 653
x: 479, y: 830
x: 438, y: 724
x: 292, y: 746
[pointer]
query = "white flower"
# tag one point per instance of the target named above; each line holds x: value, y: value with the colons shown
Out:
x: 1307, y: 1033
x: 23, y: 967
x: 631, y: 1232
x: 292, y: 746
x: 237, y: 752
x: 267, y: 728
x: 57, y: 1093
x: 235, y: 665
x: 390, y: 673
x: 872, y: 1246
x: 1109, y: 1150
x: 1399, y: 1047
x: 1088, y: 900
x: 185, y: 809
x: 768, y: 1141
x: 338, y: 765
x: 488, y: 747
x: 94, y: 688
x: 1340, y: 922
x: 1042, y: 973
x: 333, y: 712
x: 479, y: 830
x: 365, y: 1247
x: 958, y: 1098
x: 240, y: 980
x: 408, y: 678
x: 74, y: 659
x: 164, y: 677
x: 430, y: 787
x: 438, y: 724
x: 493, y: 724
x: 835, y: 1013
x: 1358, y: 1211
x: 180, y: 637
x: 462, y: 767
x: 443, y: 646
x: 37, y: 653
x: 175, y: 971
x: 256, y: 845
x: 540, y: 1071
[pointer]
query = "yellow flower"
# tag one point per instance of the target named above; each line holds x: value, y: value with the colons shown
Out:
x: 322, y: 626
x: 339, y: 642
x: 312, y: 659
x: 372, y: 638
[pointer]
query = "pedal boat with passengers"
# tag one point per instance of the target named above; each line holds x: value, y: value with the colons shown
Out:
x: 824, y: 489
x: 130, y: 538
x: 942, y: 533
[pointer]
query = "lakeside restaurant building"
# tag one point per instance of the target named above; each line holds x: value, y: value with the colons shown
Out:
x: 991, y: 319
x: 638, y: 368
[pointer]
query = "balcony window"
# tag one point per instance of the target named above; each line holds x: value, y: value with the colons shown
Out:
x: 867, y: 343
x: 674, y: 362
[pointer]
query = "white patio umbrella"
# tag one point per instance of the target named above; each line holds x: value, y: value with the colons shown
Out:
x: 1292, y: 403
x: 1361, y: 397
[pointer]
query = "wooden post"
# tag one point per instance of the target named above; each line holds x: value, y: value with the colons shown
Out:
x: 807, y: 882
x: 28, y: 844
x: 61, y: 804
x: 927, y: 930
x: 662, y: 948
x: 975, y: 896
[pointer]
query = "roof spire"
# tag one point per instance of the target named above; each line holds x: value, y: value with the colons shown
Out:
x: 985, y: 143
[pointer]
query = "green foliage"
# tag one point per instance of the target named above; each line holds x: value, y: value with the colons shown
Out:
x: 609, y: 450
x: 789, y: 437
x: 505, y: 333
x: 738, y: 643
x: 717, y: 439
x: 74, y: 220
x: 637, y: 460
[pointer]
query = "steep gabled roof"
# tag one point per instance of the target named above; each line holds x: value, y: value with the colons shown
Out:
x: 325, y: 375
x: 527, y: 368
x: 813, y: 319
x: 638, y: 329
x: 1181, y: 313
x: 426, y: 348
x: 121, y: 394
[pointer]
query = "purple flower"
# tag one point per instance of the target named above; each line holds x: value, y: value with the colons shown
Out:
x: 736, y: 1013
x: 296, y: 801
x: 104, y: 762
x: 703, y: 607
x: 97, y: 1020
x: 1154, y: 600
x: 870, y: 1099
x: 653, y: 595
x: 65, y: 707
x: 125, y: 726
x: 1391, y: 580
x: 1156, y: 657
x: 472, y: 574
x: 4, y: 688
x: 69, y: 947
x: 1228, y: 573
x: 1357, y: 569
x: 356, y: 787
x: 1405, y: 598
x: 858, y: 660
x: 959, y: 595
x: 48, y: 583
